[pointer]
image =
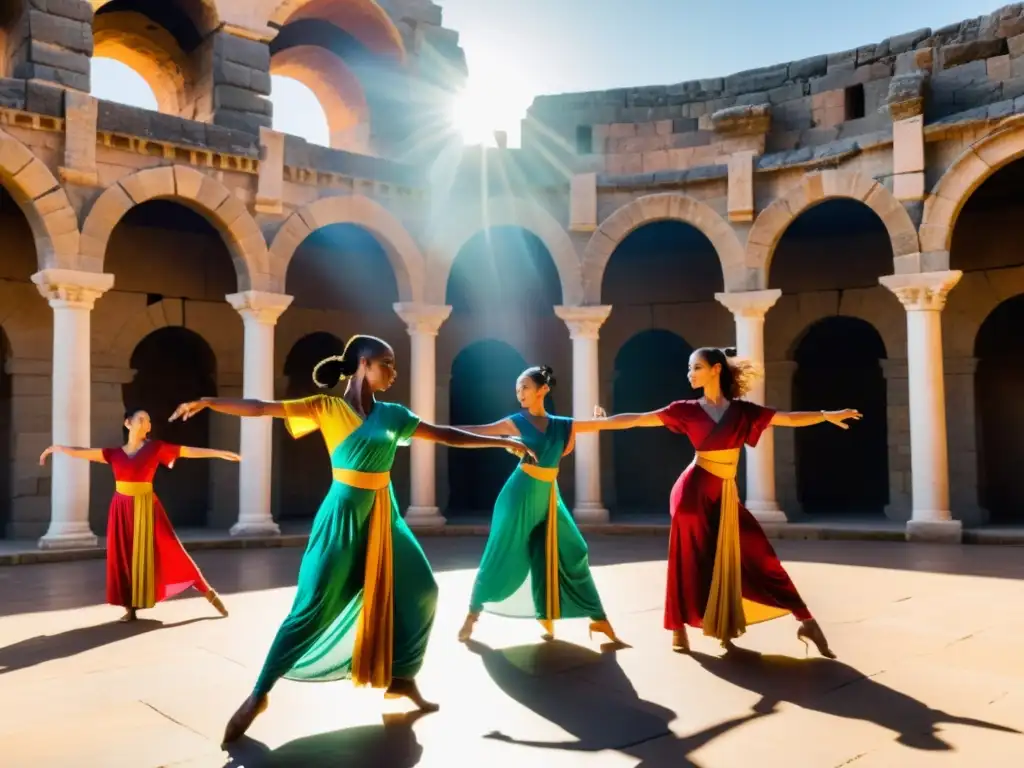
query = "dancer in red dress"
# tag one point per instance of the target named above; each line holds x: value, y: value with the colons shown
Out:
x: 146, y: 562
x: 723, y: 573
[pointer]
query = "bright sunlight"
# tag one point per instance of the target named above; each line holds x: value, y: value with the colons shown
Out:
x: 477, y: 113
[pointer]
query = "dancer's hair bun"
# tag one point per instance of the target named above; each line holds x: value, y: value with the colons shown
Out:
x: 729, y: 351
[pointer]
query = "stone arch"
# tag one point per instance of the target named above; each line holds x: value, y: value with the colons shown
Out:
x: 201, y: 193
x: 202, y: 13
x: 815, y: 188
x: 43, y: 201
x: 458, y: 228
x: 968, y: 172
x: 658, y: 207
x: 149, y: 50
x: 365, y: 20
x: 402, y: 251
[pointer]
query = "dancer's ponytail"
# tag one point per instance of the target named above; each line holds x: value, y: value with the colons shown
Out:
x: 346, y: 364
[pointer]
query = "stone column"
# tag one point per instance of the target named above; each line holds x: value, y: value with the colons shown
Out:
x: 72, y: 295
x: 584, y: 328
x: 260, y: 311
x: 923, y: 295
x: 749, y: 308
x: 423, y: 321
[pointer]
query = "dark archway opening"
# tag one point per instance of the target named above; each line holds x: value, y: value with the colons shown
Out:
x: 304, y: 475
x: 342, y: 267
x: 650, y: 373
x: 167, y: 250
x: 842, y: 471
x: 482, y: 390
x: 838, y: 244
x: 986, y: 233
x: 173, y: 365
x: 6, y: 439
x: 999, y: 411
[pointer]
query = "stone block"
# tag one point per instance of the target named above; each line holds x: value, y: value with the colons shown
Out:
x: 757, y: 79
x: 62, y: 77
x: 963, y: 53
x: 55, y: 56
x: 12, y: 93
x: 240, y: 100
x: 250, y: 53
x: 583, y: 203
x: 842, y: 59
x: 906, y: 95
x: 908, y: 145
x: 908, y: 40
x: 999, y: 67
x: 785, y: 93
x: 242, y: 122
x: 815, y: 66
x: 60, y: 30
x: 840, y: 78
x: 1015, y: 46
x: 150, y: 184
x: 121, y: 118
x: 740, y: 202
x: 621, y: 130
x: 685, y: 125
x: 270, y: 185
x: 913, y: 61
x: 76, y: 10
x: 743, y: 120
x: 876, y: 95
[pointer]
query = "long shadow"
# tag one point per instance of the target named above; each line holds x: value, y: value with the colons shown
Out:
x: 588, y: 695
x: 44, y: 648
x: 819, y: 684
x: 392, y: 744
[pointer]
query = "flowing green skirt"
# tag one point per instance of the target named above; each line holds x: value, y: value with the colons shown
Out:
x: 316, y: 641
x: 511, y: 580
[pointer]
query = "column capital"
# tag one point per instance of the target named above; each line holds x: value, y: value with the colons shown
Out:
x: 584, y: 322
x: 262, y: 306
x: 420, y: 318
x: 749, y: 303
x: 72, y: 288
x: 922, y: 291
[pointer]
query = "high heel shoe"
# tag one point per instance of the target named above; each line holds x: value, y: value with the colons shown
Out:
x: 810, y: 632
x: 680, y: 641
x: 605, y: 628
x: 467, y: 627
x: 214, y: 599
x: 549, y: 628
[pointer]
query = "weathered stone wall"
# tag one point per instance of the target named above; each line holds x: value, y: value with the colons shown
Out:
x: 52, y: 42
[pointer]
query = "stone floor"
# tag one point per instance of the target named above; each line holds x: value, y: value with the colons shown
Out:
x: 930, y: 672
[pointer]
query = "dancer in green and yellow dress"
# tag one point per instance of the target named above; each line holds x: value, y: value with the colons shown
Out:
x: 535, y: 564
x: 366, y: 596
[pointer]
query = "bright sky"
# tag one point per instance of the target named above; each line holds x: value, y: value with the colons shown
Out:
x: 518, y: 49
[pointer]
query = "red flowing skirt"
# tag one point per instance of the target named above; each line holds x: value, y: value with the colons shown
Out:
x: 693, y: 539
x: 174, y: 571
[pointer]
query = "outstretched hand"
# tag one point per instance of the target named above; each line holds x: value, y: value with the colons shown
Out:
x: 186, y: 411
x: 600, y: 413
x: 230, y: 456
x: 44, y: 454
x: 519, y: 450
x: 839, y: 418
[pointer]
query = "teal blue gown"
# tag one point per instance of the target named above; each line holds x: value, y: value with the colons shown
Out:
x: 511, y: 580
x: 317, y: 640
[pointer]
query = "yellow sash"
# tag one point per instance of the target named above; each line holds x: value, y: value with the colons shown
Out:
x: 143, y: 559
x: 374, y: 647
x: 552, y: 607
x: 728, y: 613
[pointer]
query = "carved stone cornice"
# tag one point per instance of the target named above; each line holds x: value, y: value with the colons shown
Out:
x: 922, y: 291
x: 71, y: 288
x: 749, y: 303
x: 584, y: 322
x: 261, y: 307
x: 422, y: 319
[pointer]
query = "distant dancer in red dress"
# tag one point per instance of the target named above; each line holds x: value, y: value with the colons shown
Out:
x: 723, y: 573
x: 146, y: 562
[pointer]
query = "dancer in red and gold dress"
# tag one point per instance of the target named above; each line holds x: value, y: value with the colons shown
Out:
x: 146, y: 562
x: 723, y: 573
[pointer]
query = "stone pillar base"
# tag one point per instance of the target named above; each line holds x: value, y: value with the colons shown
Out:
x: 255, y: 528
x: 69, y: 540
x: 424, y: 517
x: 766, y: 512
x: 935, y: 531
x: 591, y: 514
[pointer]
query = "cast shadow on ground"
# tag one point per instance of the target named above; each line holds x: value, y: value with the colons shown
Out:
x: 588, y: 695
x: 815, y: 684
x: 392, y: 744
x: 44, y: 648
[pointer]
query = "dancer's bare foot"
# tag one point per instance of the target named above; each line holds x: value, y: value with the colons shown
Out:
x: 406, y: 688
x: 810, y: 632
x: 549, y: 628
x: 215, y: 601
x: 680, y: 642
x: 466, y: 633
x: 130, y: 615
x: 243, y: 717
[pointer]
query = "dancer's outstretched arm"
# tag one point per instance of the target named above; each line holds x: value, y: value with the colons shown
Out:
x: 89, y: 454
x: 502, y: 428
x: 458, y: 438
x: 230, y: 406
x: 602, y: 421
x: 188, y: 452
x: 810, y: 418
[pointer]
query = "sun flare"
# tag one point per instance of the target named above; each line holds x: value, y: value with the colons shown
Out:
x: 475, y: 116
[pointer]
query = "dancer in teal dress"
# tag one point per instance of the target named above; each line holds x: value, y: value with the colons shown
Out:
x: 535, y: 564
x: 366, y: 596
